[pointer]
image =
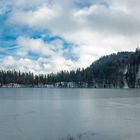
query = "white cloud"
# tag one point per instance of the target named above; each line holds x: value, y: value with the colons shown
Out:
x: 63, y: 18
x: 96, y: 30
x: 9, y: 61
x: 26, y: 65
x: 34, y: 19
x: 40, y: 66
x: 34, y: 45
x: 51, y: 56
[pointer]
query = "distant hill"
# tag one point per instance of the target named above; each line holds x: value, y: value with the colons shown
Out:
x: 110, y: 71
x: 121, y: 70
x: 117, y: 70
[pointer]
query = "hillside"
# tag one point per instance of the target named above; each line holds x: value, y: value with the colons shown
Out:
x: 121, y: 70
x: 113, y: 71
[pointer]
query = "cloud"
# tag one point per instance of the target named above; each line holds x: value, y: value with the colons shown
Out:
x: 24, y: 65
x: 109, y: 20
x: 65, y: 18
x: 40, y: 66
x: 34, y: 45
x: 51, y: 57
x: 95, y: 28
x: 37, y: 18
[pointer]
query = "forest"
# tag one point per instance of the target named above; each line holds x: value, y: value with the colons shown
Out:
x: 111, y: 71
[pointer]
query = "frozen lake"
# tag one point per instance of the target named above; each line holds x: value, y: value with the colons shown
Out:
x: 57, y: 114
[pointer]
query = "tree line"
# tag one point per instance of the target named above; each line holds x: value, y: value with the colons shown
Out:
x: 113, y: 70
x: 109, y: 71
x: 23, y: 78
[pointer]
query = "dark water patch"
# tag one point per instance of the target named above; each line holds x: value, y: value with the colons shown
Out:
x: 79, y: 136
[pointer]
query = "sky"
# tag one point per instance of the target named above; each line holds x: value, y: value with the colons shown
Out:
x: 44, y: 36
